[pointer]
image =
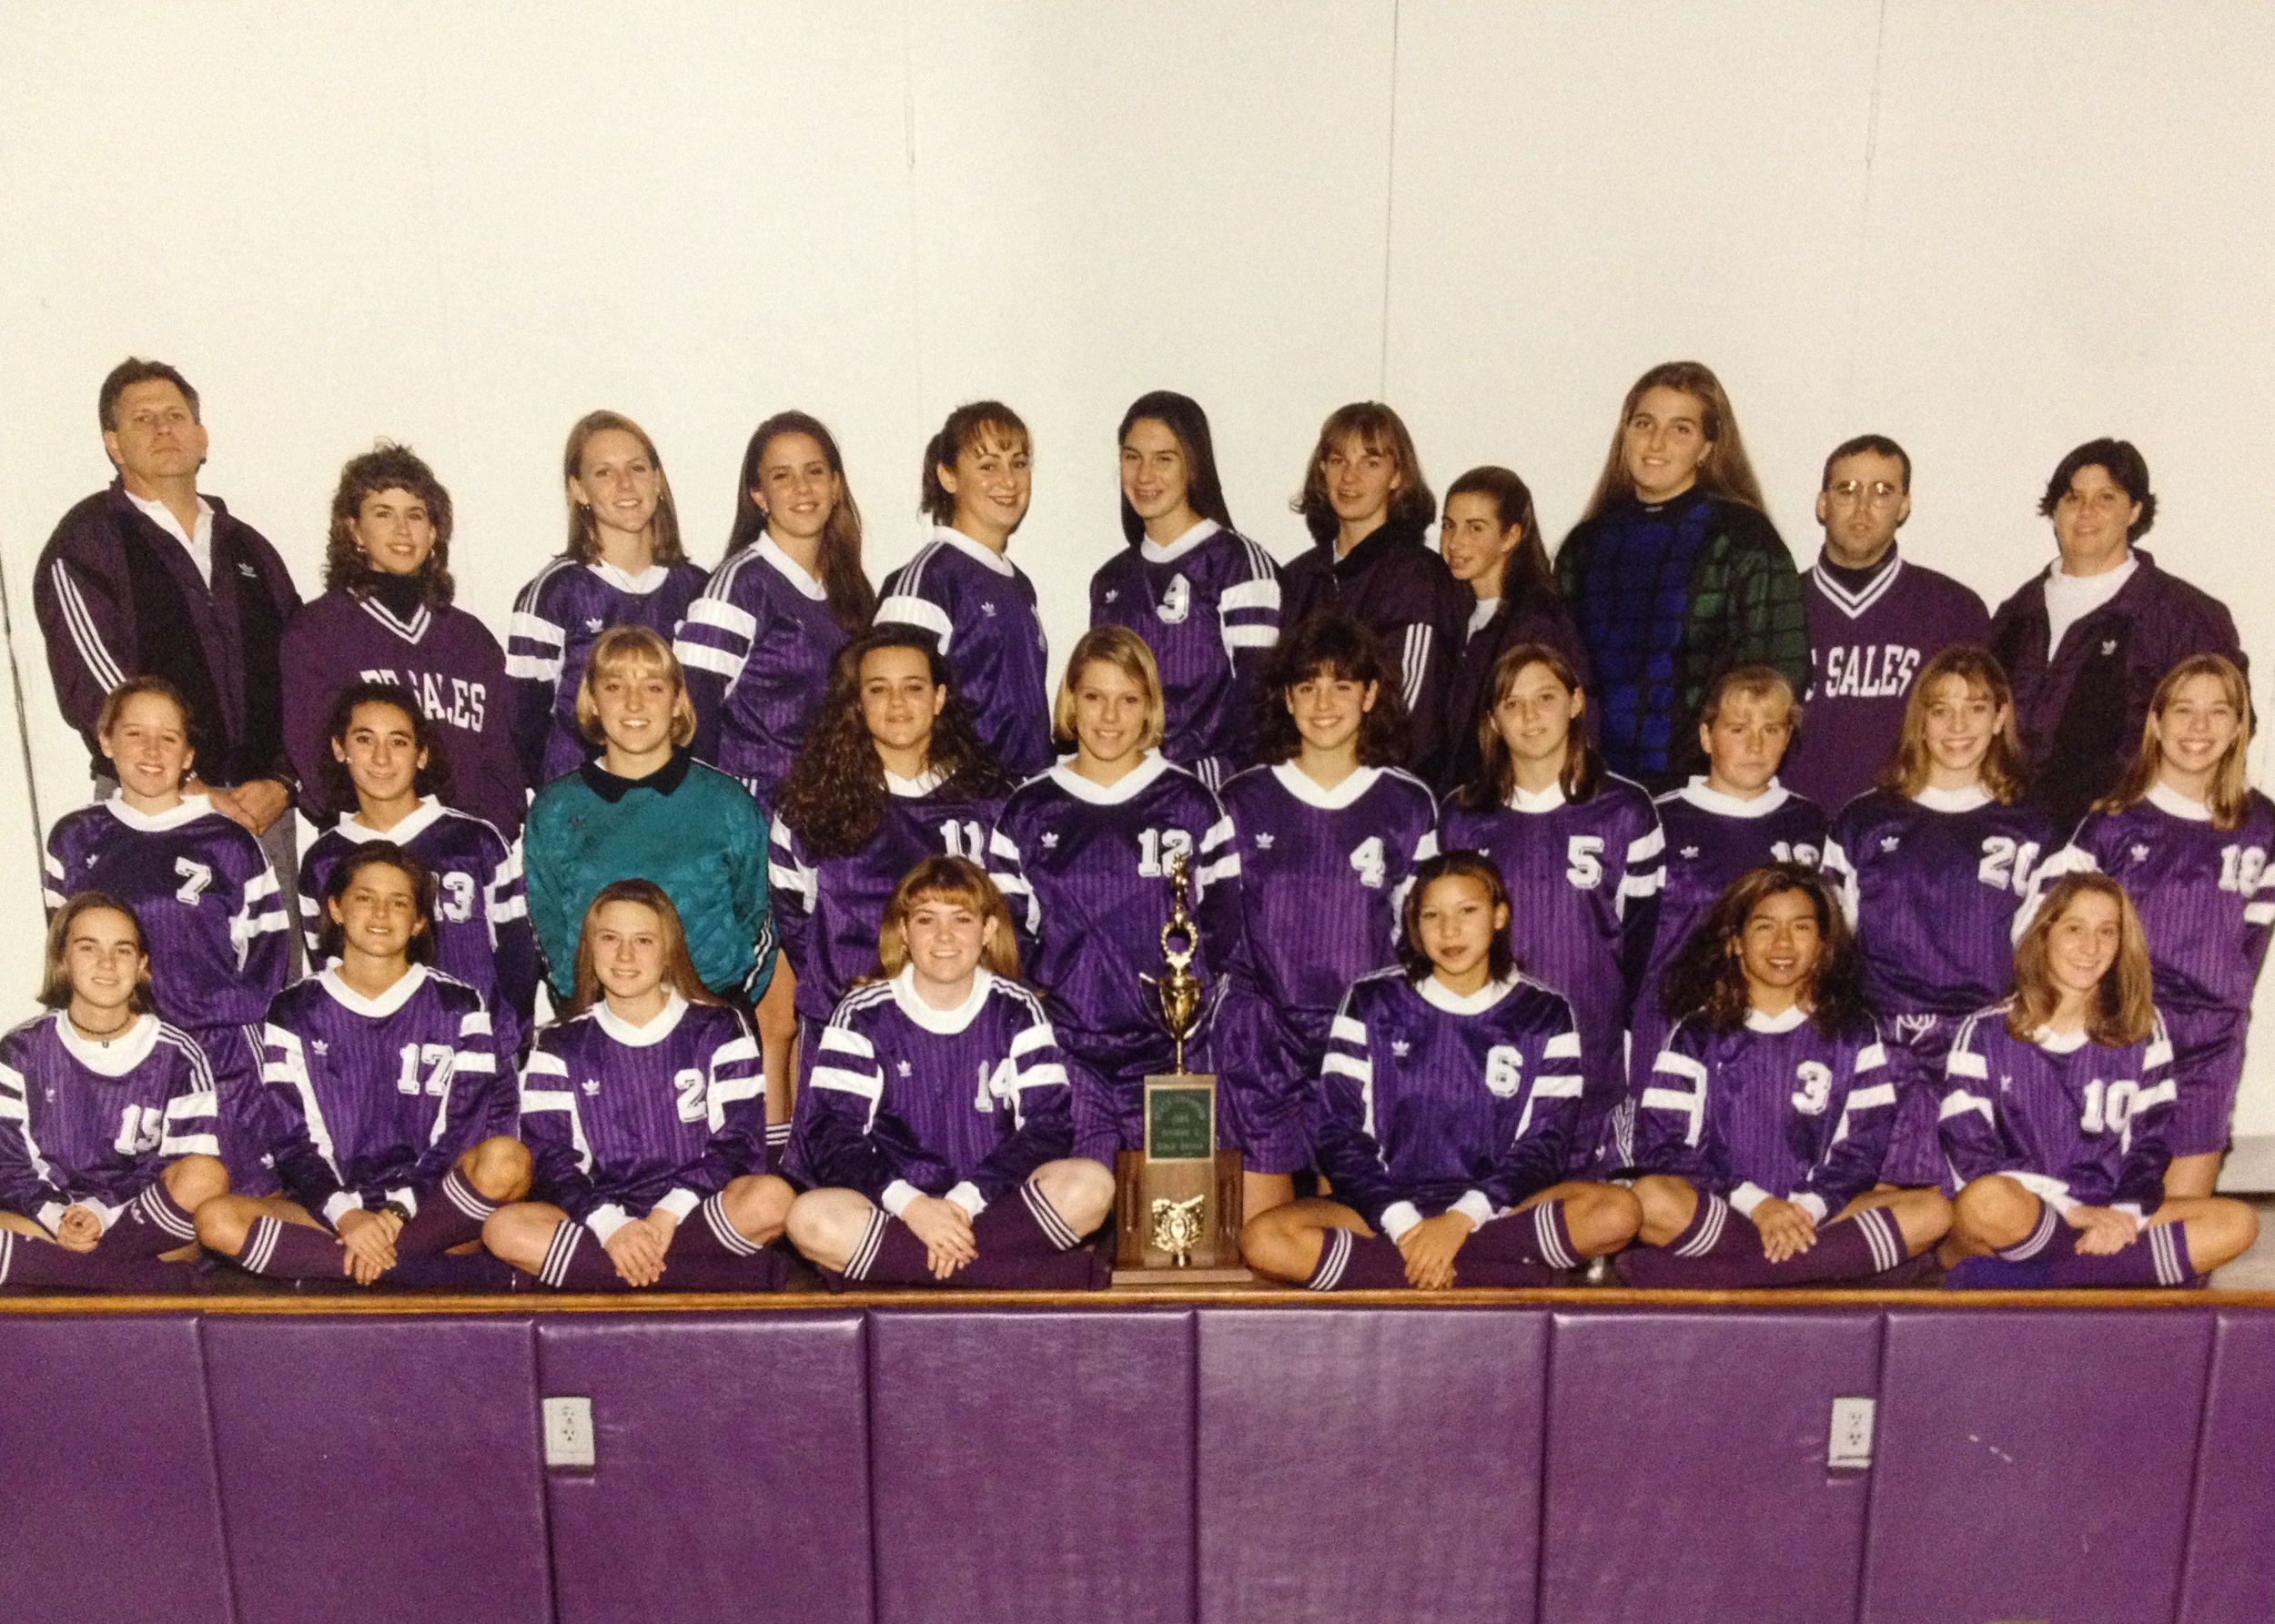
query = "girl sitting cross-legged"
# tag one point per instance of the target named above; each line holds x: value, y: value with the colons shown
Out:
x: 381, y: 1073
x: 646, y: 1109
x: 1448, y: 1102
x: 107, y: 1144
x: 937, y: 1121
x: 2057, y: 1111
x: 1762, y: 1124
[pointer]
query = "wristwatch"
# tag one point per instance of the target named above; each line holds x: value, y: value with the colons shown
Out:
x: 402, y: 1213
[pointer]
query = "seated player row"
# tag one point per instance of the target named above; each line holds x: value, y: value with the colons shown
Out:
x: 1299, y: 868
x: 1446, y: 1115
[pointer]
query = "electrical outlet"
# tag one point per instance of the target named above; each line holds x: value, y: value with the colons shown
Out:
x: 568, y: 1433
x: 1850, y: 1443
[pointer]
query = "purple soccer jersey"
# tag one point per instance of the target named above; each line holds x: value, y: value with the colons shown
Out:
x: 906, y: 1099
x: 2196, y: 888
x: 447, y: 664
x: 557, y: 618
x: 622, y: 1119
x: 1584, y: 879
x: 1932, y: 884
x: 87, y: 1124
x: 1323, y: 878
x: 1083, y: 867
x: 1432, y: 1101
x: 481, y: 919
x: 757, y: 647
x: 1208, y: 605
x: 1712, y: 839
x: 1775, y: 1109
x: 370, y: 1100
x: 980, y: 606
x: 2072, y: 1122
x: 828, y: 909
x: 1866, y: 642
x: 211, y: 915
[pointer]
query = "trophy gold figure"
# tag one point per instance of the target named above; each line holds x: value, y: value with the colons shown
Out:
x: 1178, y: 1207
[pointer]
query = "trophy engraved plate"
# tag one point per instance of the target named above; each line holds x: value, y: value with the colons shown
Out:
x: 1177, y: 1207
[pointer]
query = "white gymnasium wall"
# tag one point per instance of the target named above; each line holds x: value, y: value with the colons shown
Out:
x: 1992, y: 231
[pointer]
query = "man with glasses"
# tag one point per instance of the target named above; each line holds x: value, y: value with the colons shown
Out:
x: 1874, y: 619
x: 2085, y: 640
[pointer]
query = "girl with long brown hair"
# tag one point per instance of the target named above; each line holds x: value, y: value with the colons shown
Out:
x: 624, y: 566
x: 1932, y: 867
x: 645, y: 1110
x: 913, y: 1179
x: 1761, y: 1126
x: 2188, y: 838
x: 2056, y: 1110
x: 1579, y: 849
x: 1676, y: 573
x: 758, y: 643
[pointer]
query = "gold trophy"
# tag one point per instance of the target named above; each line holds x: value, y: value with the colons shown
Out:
x: 1178, y: 1199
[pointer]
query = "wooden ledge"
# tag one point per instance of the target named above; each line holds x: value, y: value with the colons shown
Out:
x: 347, y: 1304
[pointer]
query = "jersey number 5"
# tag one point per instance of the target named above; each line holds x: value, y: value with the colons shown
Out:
x: 1583, y: 861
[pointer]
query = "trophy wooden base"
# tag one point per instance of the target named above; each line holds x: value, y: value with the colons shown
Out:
x: 1214, y: 1258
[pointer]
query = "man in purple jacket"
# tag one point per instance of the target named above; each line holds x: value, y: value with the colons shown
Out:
x: 148, y: 577
x: 1874, y: 619
x: 2087, y: 640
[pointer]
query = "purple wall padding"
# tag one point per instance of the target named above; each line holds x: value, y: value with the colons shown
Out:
x: 1033, y: 1466
x: 2034, y: 1465
x: 731, y: 1476
x: 112, y: 1510
x: 1334, y: 1484
x: 1686, y: 1475
x: 380, y: 1468
x: 2230, y: 1576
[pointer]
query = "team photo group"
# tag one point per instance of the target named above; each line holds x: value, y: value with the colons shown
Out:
x: 1656, y: 912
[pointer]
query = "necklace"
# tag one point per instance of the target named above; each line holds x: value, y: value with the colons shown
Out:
x: 103, y: 1038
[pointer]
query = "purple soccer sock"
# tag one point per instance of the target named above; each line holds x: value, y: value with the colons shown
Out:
x: 452, y: 1214
x: 709, y: 1254
x: 1351, y: 1262
x: 576, y: 1261
x: 1026, y: 1245
x: 24, y: 1261
x: 2158, y: 1256
x: 1532, y: 1247
x: 889, y: 1255
x: 154, y: 1222
x: 1719, y: 1250
x: 285, y: 1251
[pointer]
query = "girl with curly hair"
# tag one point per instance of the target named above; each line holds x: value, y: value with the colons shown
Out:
x: 387, y: 615
x: 891, y: 771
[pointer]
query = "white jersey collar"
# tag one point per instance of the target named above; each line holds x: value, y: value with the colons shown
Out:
x: 2164, y: 797
x: 1756, y: 1021
x: 378, y: 1008
x: 1437, y: 996
x: 1307, y: 790
x: 1169, y: 552
x: 193, y: 807
x: 977, y: 549
x: 947, y: 1023
x: 2059, y: 1043
x: 638, y: 585
x: 917, y: 788
x: 1537, y: 801
x: 116, y: 1057
x: 789, y: 568
x: 1133, y: 782
x: 1731, y: 806
x: 1954, y: 801
x: 425, y: 816
x: 666, y: 1022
